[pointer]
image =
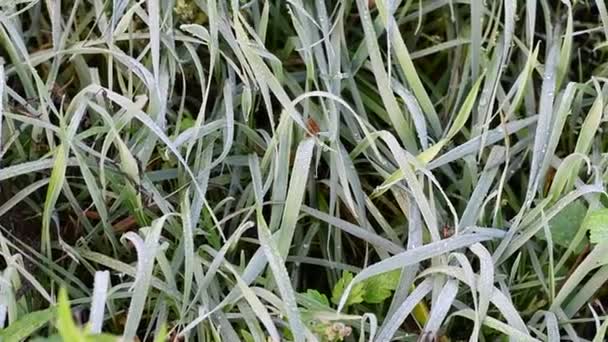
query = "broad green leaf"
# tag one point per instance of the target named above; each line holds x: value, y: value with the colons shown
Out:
x: 316, y: 297
x: 356, y: 294
x: 597, y: 223
x: 379, y: 288
x: 566, y: 224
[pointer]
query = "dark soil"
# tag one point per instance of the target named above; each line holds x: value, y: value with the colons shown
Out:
x: 20, y: 225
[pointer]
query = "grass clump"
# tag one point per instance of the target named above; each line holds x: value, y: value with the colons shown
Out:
x: 342, y: 170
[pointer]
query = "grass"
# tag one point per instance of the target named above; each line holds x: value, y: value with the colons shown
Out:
x: 303, y: 170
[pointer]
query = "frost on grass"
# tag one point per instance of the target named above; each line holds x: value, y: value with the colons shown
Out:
x: 409, y: 170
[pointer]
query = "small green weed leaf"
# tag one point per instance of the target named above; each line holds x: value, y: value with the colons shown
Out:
x: 316, y: 297
x: 377, y: 294
x: 374, y: 290
x: 187, y: 122
x: 566, y: 224
x: 355, y: 296
x: 379, y: 288
x: 597, y: 223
